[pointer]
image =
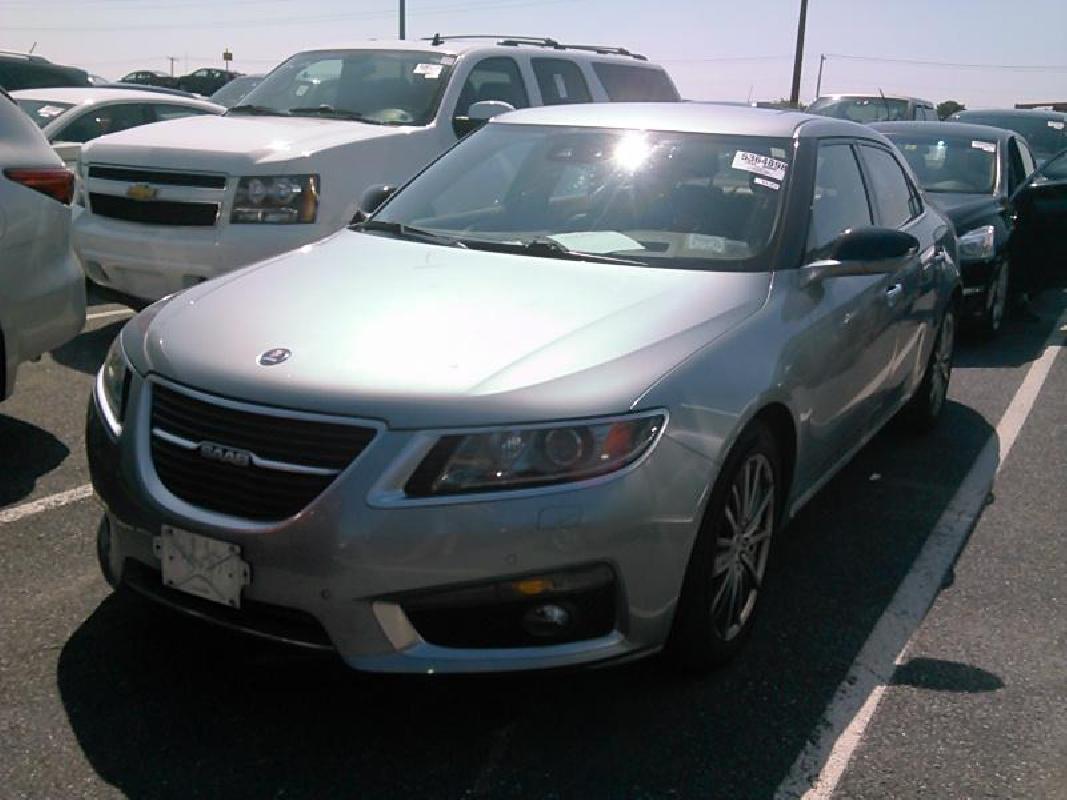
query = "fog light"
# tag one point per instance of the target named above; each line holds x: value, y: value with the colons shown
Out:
x: 547, y: 620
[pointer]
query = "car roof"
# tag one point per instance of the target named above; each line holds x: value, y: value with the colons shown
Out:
x: 875, y: 96
x: 973, y: 130
x: 90, y: 95
x: 1014, y: 112
x: 457, y: 46
x: 688, y: 117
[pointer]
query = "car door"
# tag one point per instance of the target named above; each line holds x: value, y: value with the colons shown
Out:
x: 906, y: 311
x: 842, y: 356
x: 1038, y: 246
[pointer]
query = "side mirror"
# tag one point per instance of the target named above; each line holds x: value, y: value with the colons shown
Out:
x: 371, y: 200
x: 864, y: 251
x: 67, y: 152
x: 478, y: 114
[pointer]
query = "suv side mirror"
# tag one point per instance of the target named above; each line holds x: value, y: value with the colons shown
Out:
x: 371, y: 200
x: 864, y: 251
x: 478, y: 114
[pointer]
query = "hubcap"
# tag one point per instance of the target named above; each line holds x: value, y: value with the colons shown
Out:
x: 942, y: 363
x: 742, y: 546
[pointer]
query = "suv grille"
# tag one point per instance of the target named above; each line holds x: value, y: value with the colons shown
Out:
x: 154, y: 212
x: 292, y: 460
x: 134, y: 175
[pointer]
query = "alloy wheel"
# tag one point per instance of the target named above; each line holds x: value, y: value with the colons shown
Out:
x: 998, y: 299
x: 941, y: 368
x: 742, y: 546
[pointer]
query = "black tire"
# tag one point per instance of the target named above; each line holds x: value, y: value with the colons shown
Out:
x: 925, y: 406
x: 706, y: 632
x: 996, y: 302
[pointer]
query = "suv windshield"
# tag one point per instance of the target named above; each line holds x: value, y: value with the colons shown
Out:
x: 950, y: 163
x: 861, y: 109
x: 388, y: 87
x: 1046, y: 135
x: 43, y: 111
x: 682, y: 200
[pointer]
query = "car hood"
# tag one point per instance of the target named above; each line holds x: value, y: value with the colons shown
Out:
x: 230, y: 144
x: 966, y: 210
x: 428, y: 336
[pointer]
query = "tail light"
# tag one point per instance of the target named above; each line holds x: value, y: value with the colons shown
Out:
x: 56, y: 182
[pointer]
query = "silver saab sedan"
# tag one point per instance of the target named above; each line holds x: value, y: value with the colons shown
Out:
x: 548, y: 405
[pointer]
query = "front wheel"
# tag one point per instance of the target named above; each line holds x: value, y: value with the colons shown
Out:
x: 996, y: 302
x: 724, y: 579
x: 926, y: 405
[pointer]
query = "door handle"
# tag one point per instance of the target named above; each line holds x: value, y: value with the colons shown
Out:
x: 892, y: 293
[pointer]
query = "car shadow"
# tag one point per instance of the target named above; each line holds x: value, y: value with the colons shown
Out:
x: 939, y: 675
x: 87, y: 351
x: 165, y: 707
x: 1021, y: 338
x: 29, y: 453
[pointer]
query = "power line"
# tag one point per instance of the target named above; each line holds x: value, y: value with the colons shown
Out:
x: 953, y: 64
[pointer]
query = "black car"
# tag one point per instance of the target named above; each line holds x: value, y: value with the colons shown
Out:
x: 24, y: 71
x: 979, y: 176
x: 150, y: 77
x: 206, y: 81
x: 1045, y: 131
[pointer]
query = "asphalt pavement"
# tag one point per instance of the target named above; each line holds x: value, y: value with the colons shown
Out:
x: 103, y: 696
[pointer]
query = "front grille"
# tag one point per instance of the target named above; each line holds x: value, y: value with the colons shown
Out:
x: 154, y: 212
x: 254, y: 491
x: 158, y: 177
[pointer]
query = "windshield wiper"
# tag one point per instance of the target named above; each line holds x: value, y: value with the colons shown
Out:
x: 263, y: 111
x: 402, y: 231
x: 546, y: 247
x: 325, y: 110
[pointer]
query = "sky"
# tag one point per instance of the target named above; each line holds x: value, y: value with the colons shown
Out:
x: 714, y: 49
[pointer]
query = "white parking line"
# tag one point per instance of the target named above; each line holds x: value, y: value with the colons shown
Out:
x: 46, y: 503
x: 114, y: 313
x: 819, y: 767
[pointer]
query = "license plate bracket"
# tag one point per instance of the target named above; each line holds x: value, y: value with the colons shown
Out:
x: 202, y: 566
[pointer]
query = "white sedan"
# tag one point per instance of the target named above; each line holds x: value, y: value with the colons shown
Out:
x: 71, y: 117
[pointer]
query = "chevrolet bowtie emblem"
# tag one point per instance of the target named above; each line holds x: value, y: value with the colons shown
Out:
x: 142, y: 191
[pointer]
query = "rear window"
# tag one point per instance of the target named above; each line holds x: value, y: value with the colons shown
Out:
x: 624, y: 83
x: 43, y: 111
x: 35, y: 75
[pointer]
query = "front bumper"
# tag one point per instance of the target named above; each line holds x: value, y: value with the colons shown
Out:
x: 152, y: 261
x: 360, y: 574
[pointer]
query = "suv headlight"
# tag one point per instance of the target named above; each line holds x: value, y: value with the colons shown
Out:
x: 276, y: 200
x: 112, y: 385
x: 977, y: 245
x: 519, y: 458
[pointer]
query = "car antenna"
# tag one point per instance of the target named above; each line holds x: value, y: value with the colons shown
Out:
x: 885, y: 104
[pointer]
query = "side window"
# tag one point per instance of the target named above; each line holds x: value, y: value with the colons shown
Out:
x: 493, y: 79
x: 891, y: 191
x: 1016, y: 170
x: 560, y: 81
x: 109, y: 119
x: 1029, y: 165
x: 839, y: 202
x: 165, y: 112
x: 623, y: 82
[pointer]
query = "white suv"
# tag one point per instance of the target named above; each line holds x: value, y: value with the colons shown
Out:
x: 42, y: 290
x: 176, y: 203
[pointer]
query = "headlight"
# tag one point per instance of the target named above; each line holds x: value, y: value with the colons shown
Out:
x: 977, y: 245
x: 276, y: 200
x: 520, y: 458
x: 112, y: 386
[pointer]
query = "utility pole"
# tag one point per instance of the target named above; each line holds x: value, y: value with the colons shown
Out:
x: 403, y: 34
x: 818, y: 82
x: 172, y: 59
x: 794, y: 96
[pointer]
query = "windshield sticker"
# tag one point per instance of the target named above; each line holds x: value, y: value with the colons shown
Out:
x: 767, y: 184
x: 429, y: 70
x: 701, y: 241
x: 50, y: 111
x: 597, y: 241
x: 1055, y: 123
x: 989, y: 147
x: 760, y: 165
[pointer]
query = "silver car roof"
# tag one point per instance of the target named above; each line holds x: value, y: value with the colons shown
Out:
x: 689, y: 117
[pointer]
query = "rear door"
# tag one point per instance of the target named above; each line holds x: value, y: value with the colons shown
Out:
x: 1038, y: 243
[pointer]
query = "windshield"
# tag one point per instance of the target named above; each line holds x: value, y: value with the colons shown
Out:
x: 388, y: 87
x: 861, y: 109
x: 1046, y: 135
x: 683, y: 200
x: 235, y: 91
x: 43, y: 111
x: 950, y: 163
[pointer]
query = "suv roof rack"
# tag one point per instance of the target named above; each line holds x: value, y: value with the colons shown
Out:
x: 536, y: 41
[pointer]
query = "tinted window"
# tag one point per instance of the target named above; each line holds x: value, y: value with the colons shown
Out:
x: 560, y: 81
x: 861, y: 109
x: 34, y: 75
x: 493, y: 79
x: 839, y: 202
x: 950, y: 163
x: 1027, y: 157
x: 1045, y: 133
x: 109, y: 119
x: 43, y: 111
x: 889, y: 188
x: 636, y: 84
x: 1016, y: 169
